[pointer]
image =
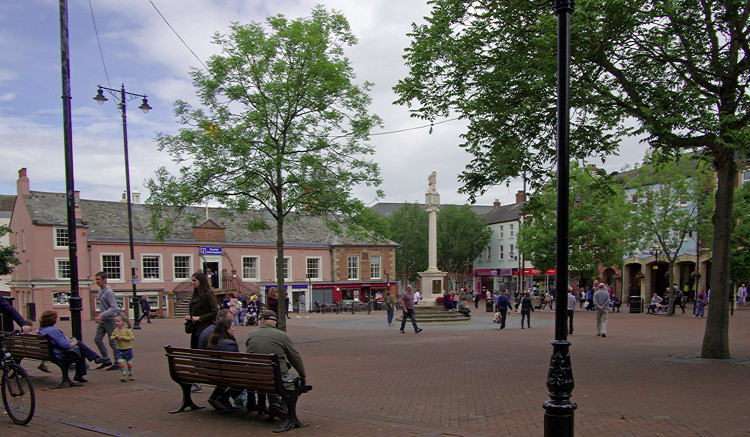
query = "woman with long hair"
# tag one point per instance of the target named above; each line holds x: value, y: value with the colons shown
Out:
x: 222, y: 339
x: 203, y: 307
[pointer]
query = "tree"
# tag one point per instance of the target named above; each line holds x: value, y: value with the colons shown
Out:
x: 669, y: 203
x: 282, y: 128
x: 597, y: 213
x: 674, y: 72
x: 7, y: 255
x: 462, y: 236
x: 409, y: 229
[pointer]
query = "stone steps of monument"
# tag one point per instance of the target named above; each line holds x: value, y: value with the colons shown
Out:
x: 435, y: 314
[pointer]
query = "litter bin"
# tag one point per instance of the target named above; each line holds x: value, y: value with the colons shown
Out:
x: 490, y: 305
x: 636, y: 305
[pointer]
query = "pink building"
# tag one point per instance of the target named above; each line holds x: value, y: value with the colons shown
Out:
x: 238, y: 260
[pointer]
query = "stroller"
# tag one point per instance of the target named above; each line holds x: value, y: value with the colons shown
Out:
x: 251, y: 316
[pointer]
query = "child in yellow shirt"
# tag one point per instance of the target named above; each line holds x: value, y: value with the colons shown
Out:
x: 124, y: 337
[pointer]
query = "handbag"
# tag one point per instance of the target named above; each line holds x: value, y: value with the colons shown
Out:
x: 189, y: 325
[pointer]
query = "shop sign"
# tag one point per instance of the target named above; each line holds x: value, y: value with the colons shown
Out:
x: 206, y: 250
x: 485, y: 272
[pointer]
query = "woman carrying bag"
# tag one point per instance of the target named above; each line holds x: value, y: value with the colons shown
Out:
x: 203, y: 311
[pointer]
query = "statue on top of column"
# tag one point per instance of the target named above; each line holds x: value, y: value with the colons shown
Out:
x: 431, y: 182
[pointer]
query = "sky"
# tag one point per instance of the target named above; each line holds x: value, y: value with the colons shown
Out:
x: 139, y: 50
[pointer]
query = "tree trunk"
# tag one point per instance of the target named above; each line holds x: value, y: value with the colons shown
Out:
x: 281, y: 324
x: 716, y: 337
x: 670, y: 280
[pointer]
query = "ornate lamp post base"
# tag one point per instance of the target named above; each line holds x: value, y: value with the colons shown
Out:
x: 559, y: 409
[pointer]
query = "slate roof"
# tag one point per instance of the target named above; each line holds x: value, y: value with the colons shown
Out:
x: 386, y: 209
x: 108, y: 221
x: 6, y: 205
x: 504, y: 213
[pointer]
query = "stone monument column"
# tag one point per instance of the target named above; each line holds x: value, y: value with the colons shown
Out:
x: 432, y: 279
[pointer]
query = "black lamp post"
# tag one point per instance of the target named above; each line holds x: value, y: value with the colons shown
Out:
x: 122, y: 105
x: 559, y: 409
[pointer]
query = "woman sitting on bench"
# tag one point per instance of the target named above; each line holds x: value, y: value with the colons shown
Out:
x: 65, y: 349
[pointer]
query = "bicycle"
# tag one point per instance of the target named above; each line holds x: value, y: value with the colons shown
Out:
x: 17, y: 390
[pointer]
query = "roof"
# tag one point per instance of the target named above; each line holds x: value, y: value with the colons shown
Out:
x: 386, y: 209
x: 108, y: 221
x: 504, y: 213
x: 6, y: 205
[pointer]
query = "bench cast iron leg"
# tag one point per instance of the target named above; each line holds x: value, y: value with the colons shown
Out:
x: 291, y: 415
x: 187, y: 400
x: 64, y: 367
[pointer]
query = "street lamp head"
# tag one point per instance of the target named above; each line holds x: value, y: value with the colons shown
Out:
x: 100, y: 99
x: 144, y: 106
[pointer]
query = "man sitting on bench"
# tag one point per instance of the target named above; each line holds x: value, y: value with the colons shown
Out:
x: 266, y: 339
x: 655, y: 305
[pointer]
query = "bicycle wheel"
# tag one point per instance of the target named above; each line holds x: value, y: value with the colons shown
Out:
x: 18, y: 395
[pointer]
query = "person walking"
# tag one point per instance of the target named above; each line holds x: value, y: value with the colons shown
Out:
x: 390, y: 306
x: 700, y: 302
x: 526, y: 308
x: 571, y: 309
x: 124, y: 338
x: 145, y: 310
x: 302, y: 306
x: 679, y: 297
x: 108, y: 310
x: 601, y: 305
x: 502, y: 301
x: 407, y: 301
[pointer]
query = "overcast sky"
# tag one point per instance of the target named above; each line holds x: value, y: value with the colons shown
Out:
x: 140, y: 51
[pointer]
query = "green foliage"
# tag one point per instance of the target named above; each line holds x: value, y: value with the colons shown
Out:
x: 462, y: 235
x: 282, y: 127
x: 596, y: 220
x: 675, y: 72
x: 740, y: 255
x: 7, y: 255
x: 409, y: 228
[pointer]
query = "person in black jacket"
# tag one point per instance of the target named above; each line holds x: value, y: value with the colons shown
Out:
x: 222, y: 339
x: 526, y: 309
x: 7, y: 309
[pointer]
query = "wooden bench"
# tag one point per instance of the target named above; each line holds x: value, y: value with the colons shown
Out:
x: 38, y: 347
x: 252, y: 372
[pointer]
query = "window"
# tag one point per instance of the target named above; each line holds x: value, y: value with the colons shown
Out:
x: 489, y: 253
x: 511, y: 255
x: 60, y: 297
x: 61, y: 238
x: 501, y: 252
x: 502, y: 235
x: 151, y: 267
x: 182, y: 265
x: 112, y: 266
x: 153, y: 302
x: 375, y: 267
x: 286, y: 268
x: 745, y: 176
x: 250, y: 268
x: 62, y: 268
x: 313, y: 268
x: 352, y: 270
x: 511, y: 230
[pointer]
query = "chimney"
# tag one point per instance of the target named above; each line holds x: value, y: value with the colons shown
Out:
x: 135, y: 196
x: 77, y: 211
x: 22, y: 184
x: 496, y: 203
x: 520, y: 197
x: 77, y: 196
x: 124, y: 197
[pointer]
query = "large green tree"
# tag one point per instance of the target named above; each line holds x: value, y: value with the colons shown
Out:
x: 462, y: 235
x: 282, y: 127
x: 7, y: 255
x: 597, y: 214
x: 670, y: 201
x: 408, y: 227
x: 673, y: 71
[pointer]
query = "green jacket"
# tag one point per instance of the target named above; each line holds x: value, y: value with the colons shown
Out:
x: 389, y: 304
x: 266, y: 339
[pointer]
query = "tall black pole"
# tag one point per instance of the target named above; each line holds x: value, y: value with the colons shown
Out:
x: 133, y: 264
x: 559, y: 409
x: 75, y: 301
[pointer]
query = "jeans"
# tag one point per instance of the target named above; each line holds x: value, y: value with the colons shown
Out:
x: 699, y: 305
x: 390, y: 316
x: 527, y: 315
x: 105, y: 327
x: 503, y: 315
x: 570, y: 321
x: 146, y: 314
x: 410, y: 314
x: 236, y: 317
